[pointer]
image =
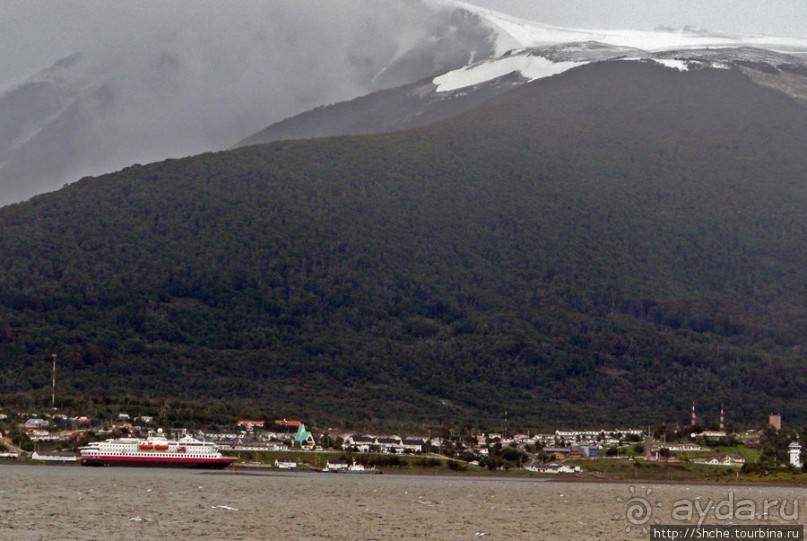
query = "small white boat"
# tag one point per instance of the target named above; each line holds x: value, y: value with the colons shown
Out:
x: 334, y: 466
x: 357, y: 468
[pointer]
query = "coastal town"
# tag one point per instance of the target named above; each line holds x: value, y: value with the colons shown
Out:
x: 53, y: 436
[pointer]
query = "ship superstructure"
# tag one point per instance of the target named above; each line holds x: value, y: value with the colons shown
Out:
x: 154, y: 451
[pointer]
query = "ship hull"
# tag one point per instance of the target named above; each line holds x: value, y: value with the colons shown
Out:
x: 161, y: 462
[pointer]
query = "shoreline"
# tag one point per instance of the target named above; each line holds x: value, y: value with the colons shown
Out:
x: 516, y: 476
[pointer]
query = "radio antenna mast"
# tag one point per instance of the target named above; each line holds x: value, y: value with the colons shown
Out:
x: 53, y: 383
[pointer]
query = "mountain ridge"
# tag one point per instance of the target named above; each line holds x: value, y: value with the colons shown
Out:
x: 424, y: 102
x: 606, y: 244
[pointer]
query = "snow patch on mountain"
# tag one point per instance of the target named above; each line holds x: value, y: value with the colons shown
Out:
x: 530, y: 67
x: 673, y: 63
x: 682, y: 64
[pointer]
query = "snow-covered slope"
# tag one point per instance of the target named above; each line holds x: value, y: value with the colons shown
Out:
x: 514, y: 33
x: 784, y: 72
x: 459, y: 90
x: 536, y: 50
x: 528, y: 65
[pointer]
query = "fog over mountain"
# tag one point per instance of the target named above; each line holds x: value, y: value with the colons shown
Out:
x: 206, y: 79
x: 155, y: 80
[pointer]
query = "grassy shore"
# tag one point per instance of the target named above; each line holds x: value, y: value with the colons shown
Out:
x: 596, y: 469
x: 686, y: 471
x: 602, y: 469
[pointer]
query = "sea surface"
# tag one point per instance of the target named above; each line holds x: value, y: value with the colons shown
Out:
x: 73, y: 502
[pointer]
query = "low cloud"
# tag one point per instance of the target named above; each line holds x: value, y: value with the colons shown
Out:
x: 188, y: 78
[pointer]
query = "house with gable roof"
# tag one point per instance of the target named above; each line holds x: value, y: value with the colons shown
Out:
x: 362, y: 444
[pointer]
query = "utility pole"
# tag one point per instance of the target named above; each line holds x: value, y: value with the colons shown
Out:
x: 53, y: 383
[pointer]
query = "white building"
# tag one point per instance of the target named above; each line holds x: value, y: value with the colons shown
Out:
x: 794, y: 450
x: 713, y: 434
x: 678, y: 447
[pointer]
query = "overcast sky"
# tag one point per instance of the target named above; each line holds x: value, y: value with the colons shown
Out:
x: 36, y: 33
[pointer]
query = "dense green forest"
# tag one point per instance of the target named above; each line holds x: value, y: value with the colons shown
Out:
x: 596, y: 248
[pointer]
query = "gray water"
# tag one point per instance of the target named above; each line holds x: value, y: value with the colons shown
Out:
x: 72, y: 502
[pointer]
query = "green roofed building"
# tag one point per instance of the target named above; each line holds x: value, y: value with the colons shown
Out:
x: 303, y: 437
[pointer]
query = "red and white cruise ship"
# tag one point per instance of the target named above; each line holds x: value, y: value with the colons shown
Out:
x: 154, y: 451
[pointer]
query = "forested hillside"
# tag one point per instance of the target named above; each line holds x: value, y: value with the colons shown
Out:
x: 595, y: 248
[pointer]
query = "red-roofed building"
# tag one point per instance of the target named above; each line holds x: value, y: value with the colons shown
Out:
x: 287, y: 422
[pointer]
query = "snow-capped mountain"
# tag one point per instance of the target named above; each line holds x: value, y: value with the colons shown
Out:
x: 786, y: 72
x: 459, y: 90
x: 534, y: 51
x: 183, y: 88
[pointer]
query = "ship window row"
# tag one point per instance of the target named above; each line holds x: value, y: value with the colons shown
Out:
x: 121, y: 453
